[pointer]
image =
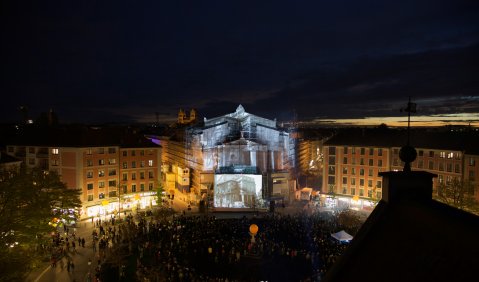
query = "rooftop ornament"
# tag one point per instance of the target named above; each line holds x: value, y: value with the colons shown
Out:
x: 408, y: 154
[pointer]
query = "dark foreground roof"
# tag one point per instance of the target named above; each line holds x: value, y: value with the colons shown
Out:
x: 412, y: 240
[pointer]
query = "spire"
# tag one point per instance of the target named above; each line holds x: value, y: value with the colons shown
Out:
x: 240, y: 109
x: 408, y: 154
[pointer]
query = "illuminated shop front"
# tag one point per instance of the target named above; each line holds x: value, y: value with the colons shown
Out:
x: 144, y: 200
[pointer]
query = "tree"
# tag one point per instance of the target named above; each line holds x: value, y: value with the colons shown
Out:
x: 457, y: 193
x: 159, y: 193
x: 27, y: 199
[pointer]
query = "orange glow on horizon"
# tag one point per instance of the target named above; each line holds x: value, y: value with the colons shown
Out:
x: 416, y: 121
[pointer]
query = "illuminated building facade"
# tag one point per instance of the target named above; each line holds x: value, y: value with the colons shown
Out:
x: 235, y: 143
x: 353, y: 159
x: 114, y: 170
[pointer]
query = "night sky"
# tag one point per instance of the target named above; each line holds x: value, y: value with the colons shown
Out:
x: 125, y: 61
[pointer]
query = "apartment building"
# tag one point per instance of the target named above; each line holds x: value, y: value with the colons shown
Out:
x: 354, y: 158
x: 116, y: 169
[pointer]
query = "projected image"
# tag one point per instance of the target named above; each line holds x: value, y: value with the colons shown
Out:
x: 238, y: 191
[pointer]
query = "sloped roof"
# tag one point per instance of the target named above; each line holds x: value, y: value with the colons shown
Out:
x: 412, y: 240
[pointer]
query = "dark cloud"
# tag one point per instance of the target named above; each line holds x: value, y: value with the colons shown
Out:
x: 125, y: 61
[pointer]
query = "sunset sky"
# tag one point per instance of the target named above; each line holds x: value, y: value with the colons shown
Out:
x: 125, y: 61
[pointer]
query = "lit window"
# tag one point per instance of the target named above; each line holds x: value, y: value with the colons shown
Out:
x: 55, y: 151
x: 101, y: 184
x: 101, y: 196
x: 89, y: 174
x: 101, y: 173
x: 150, y: 162
x: 442, y: 155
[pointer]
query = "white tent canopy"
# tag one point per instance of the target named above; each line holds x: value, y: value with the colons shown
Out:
x: 342, y: 236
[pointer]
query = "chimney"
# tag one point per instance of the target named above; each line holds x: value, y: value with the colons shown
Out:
x: 405, y: 186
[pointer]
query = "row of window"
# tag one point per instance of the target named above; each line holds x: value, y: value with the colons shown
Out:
x: 101, y: 184
x: 449, y: 167
x: 332, y: 181
x: 125, y: 153
x: 362, y: 151
x: 124, y: 191
x: 89, y: 162
x: 112, y: 172
x: 361, y: 192
x: 151, y: 175
x: 352, y: 171
x: 361, y: 182
x: 362, y: 162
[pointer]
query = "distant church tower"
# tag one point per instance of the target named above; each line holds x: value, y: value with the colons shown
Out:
x: 183, y: 119
x: 192, y: 115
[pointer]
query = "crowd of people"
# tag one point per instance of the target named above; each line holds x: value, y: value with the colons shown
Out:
x: 291, y: 247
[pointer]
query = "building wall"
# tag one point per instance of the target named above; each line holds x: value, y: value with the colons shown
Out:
x: 353, y: 170
x: 343, y: 166
x: 103, y: 173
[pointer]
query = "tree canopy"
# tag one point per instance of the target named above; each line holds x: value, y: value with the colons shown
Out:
x: 27, y: 202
